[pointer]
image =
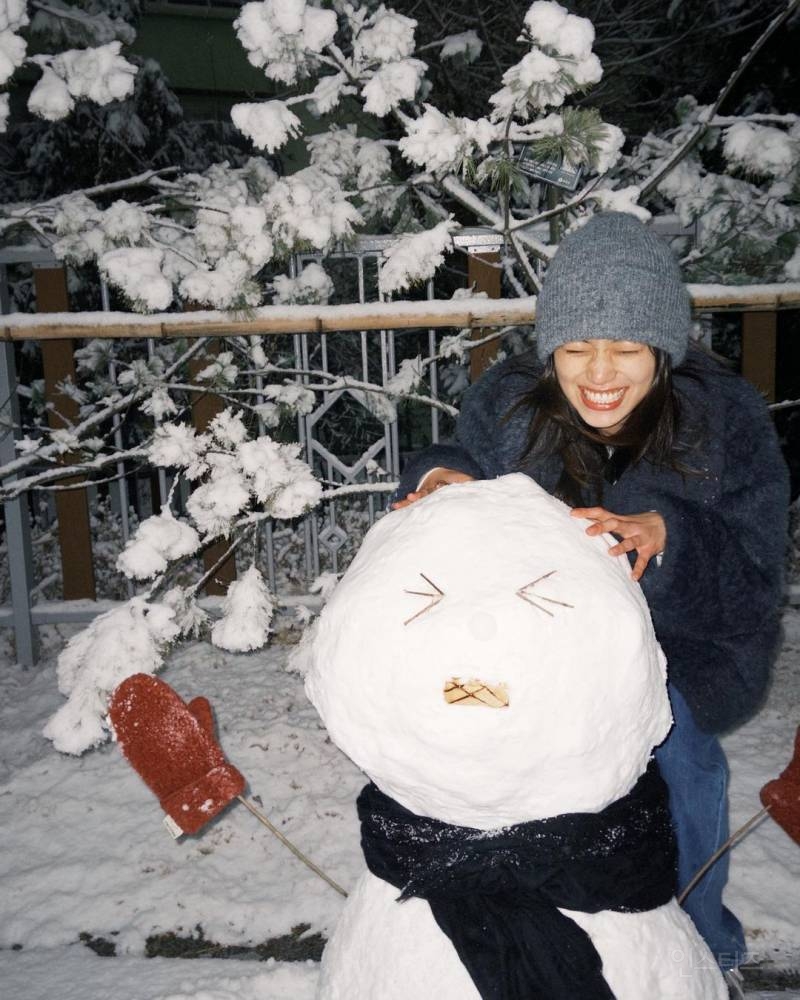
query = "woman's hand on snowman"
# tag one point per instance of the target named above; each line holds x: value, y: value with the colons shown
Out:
x: 646, y: 533
x: 432, y: 481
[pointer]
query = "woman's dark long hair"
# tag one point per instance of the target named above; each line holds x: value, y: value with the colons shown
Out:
x: 650, y: 432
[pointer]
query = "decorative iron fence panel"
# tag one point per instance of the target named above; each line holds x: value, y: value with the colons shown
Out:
x: 351, y: 437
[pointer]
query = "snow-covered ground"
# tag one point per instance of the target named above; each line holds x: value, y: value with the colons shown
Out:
x: 84, y: 851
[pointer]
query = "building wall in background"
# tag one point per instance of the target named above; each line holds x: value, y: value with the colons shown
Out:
x: 197, y: 48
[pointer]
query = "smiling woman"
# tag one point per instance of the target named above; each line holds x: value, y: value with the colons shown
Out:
x: 604, y: 380
x: 651, y: 441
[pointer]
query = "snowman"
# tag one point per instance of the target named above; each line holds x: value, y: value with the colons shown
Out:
x: 495, y: 674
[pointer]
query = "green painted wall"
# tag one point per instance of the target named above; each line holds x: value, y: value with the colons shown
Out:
x: 199, y: 51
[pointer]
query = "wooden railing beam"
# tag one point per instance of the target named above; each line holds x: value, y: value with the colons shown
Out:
x: 267, y: 320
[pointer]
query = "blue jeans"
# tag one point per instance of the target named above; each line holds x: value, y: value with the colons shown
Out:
x: 695, y: 769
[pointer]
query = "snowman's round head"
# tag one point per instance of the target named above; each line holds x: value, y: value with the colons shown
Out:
x: 485, y: 662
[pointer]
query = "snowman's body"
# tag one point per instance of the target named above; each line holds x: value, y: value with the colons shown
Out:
x: 385, y: 950
x: 487, y: 664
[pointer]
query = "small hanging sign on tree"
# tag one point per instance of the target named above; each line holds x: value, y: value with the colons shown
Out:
x: 549, y: 169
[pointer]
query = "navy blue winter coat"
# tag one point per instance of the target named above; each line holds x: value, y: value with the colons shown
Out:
x: 716, y: 597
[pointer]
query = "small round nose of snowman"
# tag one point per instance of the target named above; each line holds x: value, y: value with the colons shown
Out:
x: 482, y: 626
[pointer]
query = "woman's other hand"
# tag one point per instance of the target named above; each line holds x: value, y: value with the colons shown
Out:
x: 646, y: 533
x: 432, y: 481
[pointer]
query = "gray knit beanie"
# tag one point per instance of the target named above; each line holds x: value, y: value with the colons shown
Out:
x: 614, y: 279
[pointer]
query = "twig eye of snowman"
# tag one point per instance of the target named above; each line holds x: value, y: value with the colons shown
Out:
x: 435, y: 597
x: 522, y: 592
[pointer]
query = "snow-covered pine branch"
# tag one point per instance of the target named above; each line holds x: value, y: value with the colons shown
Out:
x: 236, y: 221
x: 734, y: 189
x: 47, y: 448
x: 246, y: 615
x: 95, y: 71
x: 729, y: 178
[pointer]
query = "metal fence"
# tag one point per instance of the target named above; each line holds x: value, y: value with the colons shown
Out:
x: 344, y: 439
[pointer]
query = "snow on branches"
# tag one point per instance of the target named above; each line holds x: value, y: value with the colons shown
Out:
x: 559, y: 63
x: 96, y: 73
x: 736, y: 189
x: 238, y: 481
x: 414, y: 258
x: 100, y: 74
x: 13, y: 48
x: 444, y: 143
x: 246, y: 615
x: 233, y: 470
x: 158, y: 541
x: 761, y: 150
x: 285, y: 37
x: 126, y: 640
x: 312, y: 285
x: 269, y: 124
x: 205, y: 238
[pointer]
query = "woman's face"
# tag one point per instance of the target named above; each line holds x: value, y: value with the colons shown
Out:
x: 604, y: 379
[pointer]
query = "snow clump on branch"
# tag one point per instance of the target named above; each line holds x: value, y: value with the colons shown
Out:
x: 309, y: 209
x: 137, y: 271
x: 311, y: 287
x: 391, y: 84
x: 216, y: 502
x: 238, y: 470
x: 414, y: 258
x: 466, y: 43
x: 360, y: 164
x: 290, y: 399
x: 445, y: 143
x: 284, y: 37
x: 552, y: 26
x: 608, y: 148
x: 407, y: 378
x: 100, y: 74
x: 127, y: 640
x: 178, y: 446
x: 246, y: 615
x: 269, y: 124
x: 158, y: 541
x: 12, y: 46
x: 560, y: 62
x: 386, y: 37
x: 229, y: 284
x: 13, y: 15
x: 760, y: 150
x: 382, y: 52
x: 278, y: 478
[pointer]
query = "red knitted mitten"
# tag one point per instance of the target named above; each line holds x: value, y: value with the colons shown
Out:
x: 782, y: 796
x: 172, y: 747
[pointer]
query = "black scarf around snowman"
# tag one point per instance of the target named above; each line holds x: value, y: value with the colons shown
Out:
x: 496, y: 894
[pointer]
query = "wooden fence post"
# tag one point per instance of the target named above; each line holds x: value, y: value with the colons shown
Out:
x: 205, y: 406
x: 759, y: 349
x: 72, y: 506
x: 483, y: 274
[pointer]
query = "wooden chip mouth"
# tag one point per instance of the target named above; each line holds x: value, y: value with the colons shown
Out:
x: 475, y: 692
